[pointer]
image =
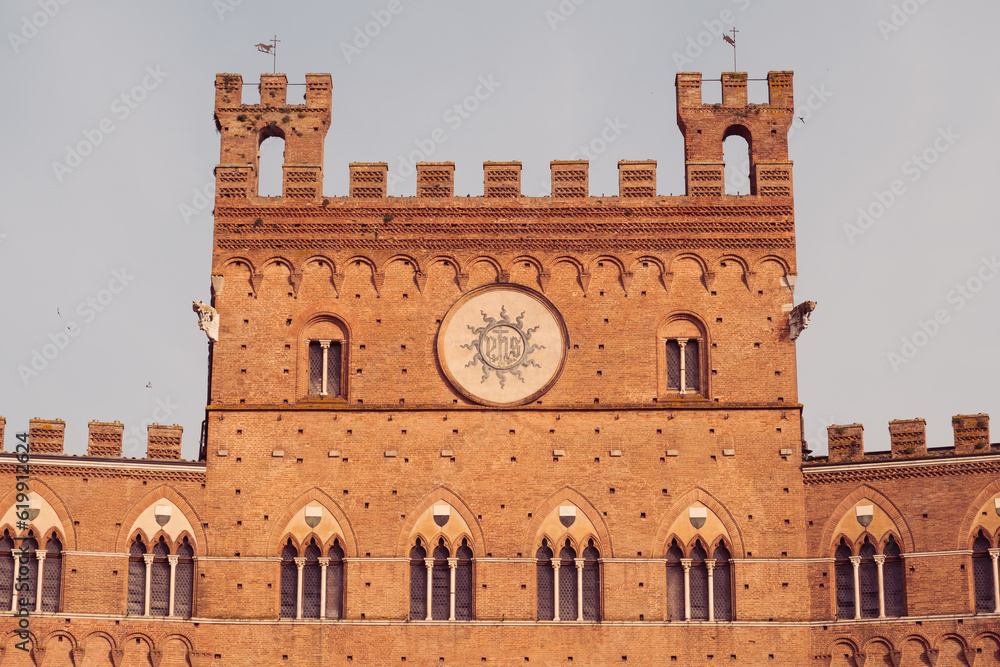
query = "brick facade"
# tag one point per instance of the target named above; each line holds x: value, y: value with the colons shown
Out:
x: 658, y: 426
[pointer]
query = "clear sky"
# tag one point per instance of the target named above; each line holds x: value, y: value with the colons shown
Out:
x: 109, y: 141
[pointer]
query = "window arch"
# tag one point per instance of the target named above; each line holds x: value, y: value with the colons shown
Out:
x: 335, y: 582
x: 289, y: 581
x: 870, y: 584
x: 440, y: 583
x: 136, y: 603
x: 159, y: 580
x: 982, y: 575
x: 270, y: 162
x: 698, y: 583
x: 892, y: 578
x: 868, y: 580
x: 184, y: 580
x: 463, y: 582
x: 7, y: 565
x: 418, y: 582
x: 675, y: 583
x: 322, y: 359
x: 545, y: 582
x: 311, y: 585
x: 51, y: 578
x: 722, y: 584
x: 844, y: 577
x: 683, y: 358
x: 567, y: 585
x: 736, y: 145
x: 591, y: 583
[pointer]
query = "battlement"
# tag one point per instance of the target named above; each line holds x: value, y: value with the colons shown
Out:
x: 303, y: 127
x: 104, y: 439
x: 909, y: 441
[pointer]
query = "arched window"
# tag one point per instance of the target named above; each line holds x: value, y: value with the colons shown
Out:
x: 52, y: 574
x: 322, y: 360
x: 682, y: 359
x: 7, y: 567
x: 137, y: 577
x: 844, y: 577
x: 698, y: 583
x: 311, y: 587
x: 418, y: 583
x: 463, y: 582
x: 868, y: 580
x: 289, y: 582
x: 591, y: 583
x: 29, y: 547
x: 184, y: 580
x: 441, y: 584
x: 892, y: 578
x: 982, y: 575
x: 545, y: 582
x: 675, y: 583
x: 567, y: 583
x: 736, y: 153
x: 722, y: 591
x: 159, y: 580
x: 335, y: 582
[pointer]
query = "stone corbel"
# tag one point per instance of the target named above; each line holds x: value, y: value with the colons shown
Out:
x: 666, y: 278
x: 585, y: 281
x: 709, y: 279
x: 420, y: 278
x: 378, y: 277
x: 155, y: 657
x: 255, y: 281
x: 117, y: 656
x: 503, y: 276
x: 543, y: 279
x: 337, y: 279
x: 295, y: 278
x: 463, y: 280
x: 76, y: 655
x: 38, y: 656
x: 627, y: 281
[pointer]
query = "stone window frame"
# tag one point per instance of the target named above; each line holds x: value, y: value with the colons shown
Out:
x: 41, y: 555
x: 705, y: 567
x: 992, y: 553
x: 173, y: 559
x: 431, y: 563
x: 856, y: 561
x: 579, y: 562
x: 309, y: 335
x: 664, y: 335
x: 325, y: 562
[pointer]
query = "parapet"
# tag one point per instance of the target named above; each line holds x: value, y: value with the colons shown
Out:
x: 909, y: 440
x: 104, y: 439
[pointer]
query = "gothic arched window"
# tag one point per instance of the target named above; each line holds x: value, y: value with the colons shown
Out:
x: 289, y: 582
x: 868, y: 580
x: 159, y: 580
x: 52, y: 574
x: 567, y: 584
x: 675, y: 583
x: 591, y: 583
x: 698, y: 583
x: 418, y: 583
x: 441, y: 584
x: 137, y: 577
x: 844, y: 578
x: 892, y: 578
x: 335, y: 582
x: 463, y: 582
x: 311, y: 586
x: 184, y: 580
x: 545, y: 582
x: 7, y: 567
x: 722, y: 587
x: 982, y: 575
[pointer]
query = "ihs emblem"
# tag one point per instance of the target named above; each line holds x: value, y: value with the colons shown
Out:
x: 502, y: 346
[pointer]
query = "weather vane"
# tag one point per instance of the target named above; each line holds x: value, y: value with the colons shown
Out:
x: 272, y: 49
x: 732, y: 40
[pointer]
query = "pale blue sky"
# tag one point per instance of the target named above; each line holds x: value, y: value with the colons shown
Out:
x: 879, y: 96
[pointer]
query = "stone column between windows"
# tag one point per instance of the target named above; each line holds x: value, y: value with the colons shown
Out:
x: 148, y: 558
x: 710, y: 564
x: 172, y: 559
x: 452, y: 568
x: 681, y: 343
x: 686, y: 564
x: 880, y: 562
x: 323, y: 563
x: 429, y: 564
x: 856, y: 564
x: 40, y: 555
x: 555, y: 589
x: 579, y: 588
x: 299, y: 565
x: 325, y: 344
x: 994, y: 556
x: 17, y: 569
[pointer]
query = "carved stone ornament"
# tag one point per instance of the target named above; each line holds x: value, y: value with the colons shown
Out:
x: 208, y: 319
x: 798, y: 318
x: 502, y: 345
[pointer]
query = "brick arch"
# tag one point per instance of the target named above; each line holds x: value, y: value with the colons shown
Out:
x: 780, y: 261
x: 682, y: 503
x: 945, y: 636
x: 103, y: 635
x: 278, y: 260
x: 843, y: 641
x: 55, y: 502
x: 315, y: 313
x: 972, y: 512
x: 695, y: 257
x: 73, y: 643
x: 278, y: 537
x: 748, y: 274
x: 650, y: 259
x: 907, y: 543
x: 530, y: 540
x: 401, y: 257
x: 163, y: 491
x: 184, y: 639
x: 878, y: 639
x: 15, y: 635
x: 592, y: 263
x: 440, y: 493
x: 237, y: 259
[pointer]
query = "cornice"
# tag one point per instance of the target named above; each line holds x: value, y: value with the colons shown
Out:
x: 860, y: 472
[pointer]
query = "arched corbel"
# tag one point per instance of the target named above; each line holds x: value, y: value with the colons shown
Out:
x: 255, y: 281
x: 626, y: 277
x: 295, y: 278
x: 420, y: 278
x: 585, y: 281
x: 378, y: 277
x: 463, y: 280
x: 544, y: 277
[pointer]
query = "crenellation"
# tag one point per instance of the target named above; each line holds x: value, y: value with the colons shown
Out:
x: 105, y: 438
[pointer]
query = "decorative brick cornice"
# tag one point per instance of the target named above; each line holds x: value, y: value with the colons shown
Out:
x: 860, y: 472
x: 67, y: 466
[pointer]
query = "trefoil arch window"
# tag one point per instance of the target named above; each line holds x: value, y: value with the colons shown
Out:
x: 161, y: 579
x: 869, y: 584
x: 568, y: 587
x: 42, y: 588
x: 699, y: 588
x: 984, y: 575
x: 441, y: 585
x: 311, y: 585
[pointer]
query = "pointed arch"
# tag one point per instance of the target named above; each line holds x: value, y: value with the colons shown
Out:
x: 533, y: 534
x: 65, y: 526
x: 971, y: 520
x: 435, y: 495
x: 164, y: 492
x: 865, y: 492
x: 279, y: 534
x: 681, y: 504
